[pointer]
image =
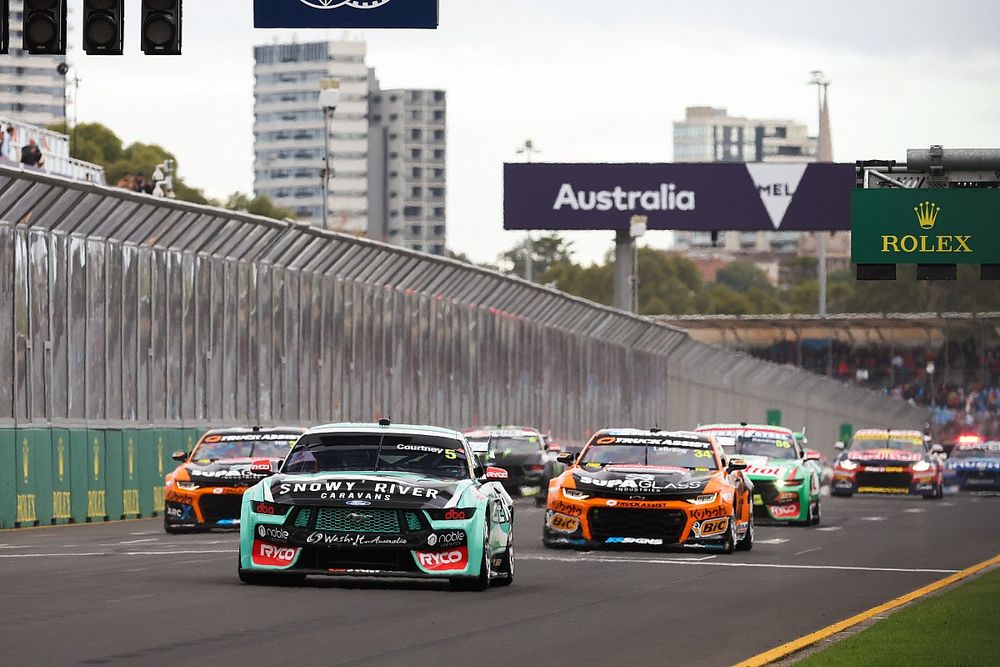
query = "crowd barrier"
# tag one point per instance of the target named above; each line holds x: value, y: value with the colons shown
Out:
x: 128, y: 324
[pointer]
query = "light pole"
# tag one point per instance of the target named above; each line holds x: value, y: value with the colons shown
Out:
x: 329, y: 98
x: 528, y: 149
x: 825, y: 154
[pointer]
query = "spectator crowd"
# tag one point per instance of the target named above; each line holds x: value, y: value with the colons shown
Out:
x: 136, y: 183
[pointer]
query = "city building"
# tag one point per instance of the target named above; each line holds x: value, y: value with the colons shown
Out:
x: 289, y: 131
x: 709, y: 134
x: 407, y: 168
x: 31, y: 89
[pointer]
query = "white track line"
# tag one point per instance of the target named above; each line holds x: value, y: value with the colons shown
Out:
x: 829, y: 529
x: 773, y: 540
x: 807, y: 551
x: 781, y: 566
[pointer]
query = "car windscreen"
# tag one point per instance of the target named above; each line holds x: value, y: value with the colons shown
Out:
x: 904, y: 444
x: 989, y: 450
x: 679, y: 454
x: 419, y: 454
x: 774, y: 446
x: 244, y: 446
x: 526, y: 446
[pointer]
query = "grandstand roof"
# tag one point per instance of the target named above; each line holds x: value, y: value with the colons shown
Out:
x: 904, y: 329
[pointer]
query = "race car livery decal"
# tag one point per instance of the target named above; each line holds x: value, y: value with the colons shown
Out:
x: 251, y: 437
x: 244, y: 472
x: 973, y: 465
x: 562, y: 523
x: 651, y: 440
x: 273, y: 555
x: 641, y: 483
x: 647, y: 541
x: 764, y: 471
x: 442, y: 561
x: 711, y: 527
x: 377, y: 491
x: 884, y: 455
x: 883, y: 489
x: 318, y: 538
x: 565, y: 508
x: 708, y: 513
x: 784, y: 511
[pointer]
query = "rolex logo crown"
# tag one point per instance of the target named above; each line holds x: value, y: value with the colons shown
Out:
x: 927, y: 213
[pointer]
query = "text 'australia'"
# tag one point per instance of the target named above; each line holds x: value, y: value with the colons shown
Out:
x: 667, y: 198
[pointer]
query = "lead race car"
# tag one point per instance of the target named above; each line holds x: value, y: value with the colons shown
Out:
x: 379, y: 500
x: 785, y: 487
x: 632, y: 487
x: 889, y: 462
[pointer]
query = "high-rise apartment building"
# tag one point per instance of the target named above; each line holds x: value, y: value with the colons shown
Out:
x: 407, y: 164
x: 709, y: 134
x: 289, y: 131
x: 31, y: 89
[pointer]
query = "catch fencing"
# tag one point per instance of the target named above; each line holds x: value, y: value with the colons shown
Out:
x: 121, y: 313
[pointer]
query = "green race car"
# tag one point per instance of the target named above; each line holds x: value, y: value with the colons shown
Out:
x: 378, y: 500
x: 786, y: 488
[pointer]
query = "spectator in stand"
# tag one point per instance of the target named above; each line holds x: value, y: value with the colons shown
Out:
x: 141, y: 183
x: 31, y: 155
x: 127, y: 181
x: 7, y: 144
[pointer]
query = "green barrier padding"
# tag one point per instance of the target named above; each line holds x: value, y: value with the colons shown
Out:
x: 774, y: 417
x: 97, y: 475
x: 78, y: 469
x: 846, y: 432
x: 8, y: 487
x: 130, y: 474
x: 154, y: 456
x: 33, y: 475
x: 62, y: 487
x: 113, y: 460
x: 191, y: 438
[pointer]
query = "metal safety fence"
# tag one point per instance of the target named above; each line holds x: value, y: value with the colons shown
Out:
x: 119, y: 311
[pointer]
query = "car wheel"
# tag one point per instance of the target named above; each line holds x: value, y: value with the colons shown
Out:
x: 730, y: 544
x: 506, y: 566
x: 841, y: 494
x: 815, y: 518
x: 482, y: 581
x: 937, y: 495
x: 746, y: 543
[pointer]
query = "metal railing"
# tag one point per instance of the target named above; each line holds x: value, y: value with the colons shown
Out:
x: 118, y: 309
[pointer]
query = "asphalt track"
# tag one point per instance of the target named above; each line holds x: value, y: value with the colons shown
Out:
x: 128, y: 594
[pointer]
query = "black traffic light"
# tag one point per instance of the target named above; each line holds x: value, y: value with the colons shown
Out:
x: 4, y: 26
x: 44, y: 26
x: 103, y: 27
x: 161, y: 27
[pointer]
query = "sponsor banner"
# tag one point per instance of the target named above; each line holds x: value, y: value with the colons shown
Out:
x: 272, y: 554
x: 562, y: 523
x: 345, y: 13
x: 784, y: 511
x: 696, y: 197
x: 444, y: 561
x: 904, y: 226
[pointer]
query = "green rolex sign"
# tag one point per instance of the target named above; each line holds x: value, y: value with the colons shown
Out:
x: 899, y: 226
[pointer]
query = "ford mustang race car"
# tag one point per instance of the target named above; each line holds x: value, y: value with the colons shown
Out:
x: 885, y: 461
x: 631, y: 487
x: 379, y: 500
x: 205, y: 490
x: 522, y: 452
x: 785, y: 487
x: 973, y: 466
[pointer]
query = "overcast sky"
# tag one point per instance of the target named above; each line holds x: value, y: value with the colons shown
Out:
x: 587, y: 80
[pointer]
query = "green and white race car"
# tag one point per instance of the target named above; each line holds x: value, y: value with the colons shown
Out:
x: 786, y: 488
x: 373, y: 500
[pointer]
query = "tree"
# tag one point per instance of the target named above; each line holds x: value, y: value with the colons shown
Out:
x: 92, y: 142
x: 259, y: 205
x: 545, y: 251
x: 741, y: 275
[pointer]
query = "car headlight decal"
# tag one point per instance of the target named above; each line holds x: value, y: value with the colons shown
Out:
x: 921, y: 466
x: 574, y: 494
x: 187, y: 486
x: 847, y: 464
x: 703, y: 499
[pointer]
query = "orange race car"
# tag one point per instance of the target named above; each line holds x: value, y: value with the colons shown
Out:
x: 206, y: 489
x: 631, y: 487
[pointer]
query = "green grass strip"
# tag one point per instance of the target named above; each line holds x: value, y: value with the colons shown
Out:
x: 958, y: 627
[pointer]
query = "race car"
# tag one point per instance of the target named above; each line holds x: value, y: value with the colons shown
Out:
x: 786, y: 487
x: 973, y: 466
x: 888, y: 462
x: 205, y: 490
x: 379, y: 500
x: 650, y: 488
x: 523, y: 453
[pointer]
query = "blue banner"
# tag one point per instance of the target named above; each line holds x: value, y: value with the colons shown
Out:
x: 345, y: 13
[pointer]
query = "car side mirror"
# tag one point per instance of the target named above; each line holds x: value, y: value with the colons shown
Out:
x: 838, y: 445
x: 495, y: 474
x: 179, y: 456
x: 937, y: 449
x: 262, y: 467
x: 478, y: 469
x: 736, y: 464
x: 565, y: 457
x: 811, y: 455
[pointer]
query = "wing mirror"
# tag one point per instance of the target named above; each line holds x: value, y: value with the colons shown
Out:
x: 565, y: 457
x: 736, y: 464
x: 811, y: 455
x: 937, y: 449
x: 179, y: 456
x: 838, y: 445
x: 262, y: 467
x: 493, y: 474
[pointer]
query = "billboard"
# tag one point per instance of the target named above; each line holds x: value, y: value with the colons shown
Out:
x: 940, y: 226
x: 682, y: 196
x: 345, y: 13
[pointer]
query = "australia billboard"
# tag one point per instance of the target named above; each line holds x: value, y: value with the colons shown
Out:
x: 345, y: 13
x: 681, y: 196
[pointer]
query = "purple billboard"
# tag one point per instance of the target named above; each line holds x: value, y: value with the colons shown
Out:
x: 692, y: 197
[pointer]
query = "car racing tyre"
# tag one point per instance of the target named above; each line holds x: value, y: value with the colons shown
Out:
x: 840, y: 494
x: 506, y: 566
x: 730, y: 544
x: 746, y: 543
x: 937, y: 495
x: 814, y: 513
x: 481, y: 582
